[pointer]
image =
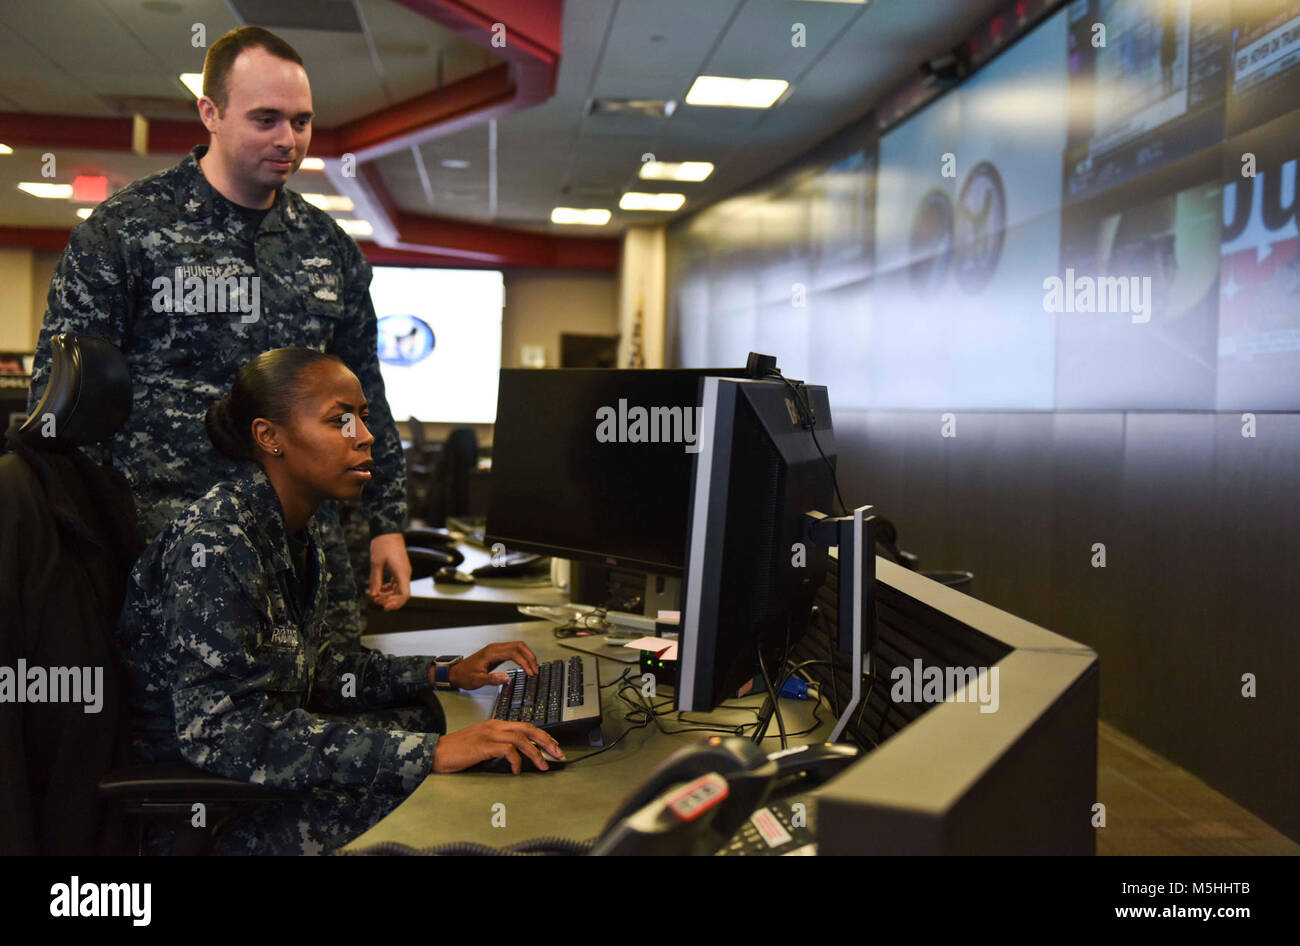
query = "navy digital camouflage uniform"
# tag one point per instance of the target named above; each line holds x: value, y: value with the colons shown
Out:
x: 314, y: 293
x: 232, y: 671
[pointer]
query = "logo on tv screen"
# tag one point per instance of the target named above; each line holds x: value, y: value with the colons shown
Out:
x: 404, y: 339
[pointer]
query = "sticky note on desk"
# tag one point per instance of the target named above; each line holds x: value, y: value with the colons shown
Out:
x: 665, y: 649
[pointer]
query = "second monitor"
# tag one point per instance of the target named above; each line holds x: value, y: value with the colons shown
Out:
x: 595, y: 464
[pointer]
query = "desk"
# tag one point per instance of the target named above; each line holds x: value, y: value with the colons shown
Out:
x: 495, y: 591
x: 572, y: 803
x: 487, y: 601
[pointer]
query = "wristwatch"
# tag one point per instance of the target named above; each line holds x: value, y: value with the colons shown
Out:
x: 442, y: 671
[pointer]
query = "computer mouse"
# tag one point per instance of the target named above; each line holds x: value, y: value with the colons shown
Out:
x: 501, y: 765
x: 449, y: 576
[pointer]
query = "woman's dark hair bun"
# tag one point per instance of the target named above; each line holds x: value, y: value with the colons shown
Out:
x: 267, y: 386
x: 225, y: 433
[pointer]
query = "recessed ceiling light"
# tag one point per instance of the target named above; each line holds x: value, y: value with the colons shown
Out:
x: 329, y: 201
x: 47, y: 190
x: 194, y: 82
x: 633, y: 200
x: 650, y: 108
x: 456, y: 164
x: 356, y: 227
x: 676, y: 171
x: 5, y: 149
x: 591, y: 216
x: 727, y: 92
x: 312, y: 164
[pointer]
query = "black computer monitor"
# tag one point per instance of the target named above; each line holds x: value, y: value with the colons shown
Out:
x: 751, y: 569
x: 595, y: 464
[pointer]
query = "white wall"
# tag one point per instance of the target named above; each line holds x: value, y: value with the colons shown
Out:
x: 543, y: 303
x: 24, y: 285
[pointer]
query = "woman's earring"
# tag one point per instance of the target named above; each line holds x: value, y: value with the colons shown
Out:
x: 277, y: 450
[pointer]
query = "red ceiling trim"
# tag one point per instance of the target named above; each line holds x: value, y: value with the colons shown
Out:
x: 471, y: 101
x: 36, y: 238
x: 392, y: 256
x: 498, y: 248
x: 531, y: 29
x: 28, y: 130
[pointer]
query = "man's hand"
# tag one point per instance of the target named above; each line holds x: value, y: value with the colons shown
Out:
x: 388, y: 554
x: 476, y: 670
x: 492, y: 739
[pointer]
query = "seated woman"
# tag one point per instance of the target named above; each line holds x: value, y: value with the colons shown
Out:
x: 223, y: 635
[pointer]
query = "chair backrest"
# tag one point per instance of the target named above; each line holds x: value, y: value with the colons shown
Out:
x: 72, y: 594
x: 417, y: 433
x: 87, y: 398
x: 459, y: 459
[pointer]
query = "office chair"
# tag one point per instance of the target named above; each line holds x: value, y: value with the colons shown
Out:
x: 461, y: 453
x: 421, y: 476
x: 418, y: 440
x: 66, y: 546
x: 87, y: 399
x: 438, y: 479
x: 421, y: 467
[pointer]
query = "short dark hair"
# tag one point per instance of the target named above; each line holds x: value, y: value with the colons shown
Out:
x: 223, y: 53
x: 270, y: 386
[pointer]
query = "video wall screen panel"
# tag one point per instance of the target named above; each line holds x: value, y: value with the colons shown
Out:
x: 1259, y: 271
x: 1147, y: 81
x: 1103, y: 217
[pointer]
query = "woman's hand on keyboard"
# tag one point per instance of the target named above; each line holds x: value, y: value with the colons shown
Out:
x: 476, y: 670
x: 493, y: 739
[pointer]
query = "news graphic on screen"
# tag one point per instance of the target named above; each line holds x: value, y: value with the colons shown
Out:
x: 439, y: 342
x: 1147, y: 81
x: 1259, y: 281
x: 1265, y: 62
x: 1137, y: 296
x: 967, y: 230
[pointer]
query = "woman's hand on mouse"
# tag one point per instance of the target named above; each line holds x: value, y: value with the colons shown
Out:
x: 493, y: 739
x: 476, y: 670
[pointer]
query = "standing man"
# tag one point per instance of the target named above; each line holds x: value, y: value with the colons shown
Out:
x: 195, y: 270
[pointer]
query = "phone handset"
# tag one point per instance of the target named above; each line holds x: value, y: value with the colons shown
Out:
x: 697, y: 798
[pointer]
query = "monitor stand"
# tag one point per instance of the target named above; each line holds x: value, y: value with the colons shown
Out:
x: 855, y: 537
x: 862, y: 541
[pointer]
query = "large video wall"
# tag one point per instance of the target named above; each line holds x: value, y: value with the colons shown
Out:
x: 1104, y: 217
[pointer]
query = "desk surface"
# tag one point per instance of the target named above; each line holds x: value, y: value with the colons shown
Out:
x: 572, y: 803
x: 489, y: 590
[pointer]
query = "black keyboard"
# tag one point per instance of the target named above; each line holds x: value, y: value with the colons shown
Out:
x: 563, y: 699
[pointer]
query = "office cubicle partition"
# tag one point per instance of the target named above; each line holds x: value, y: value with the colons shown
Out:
x: 1006, y: 765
